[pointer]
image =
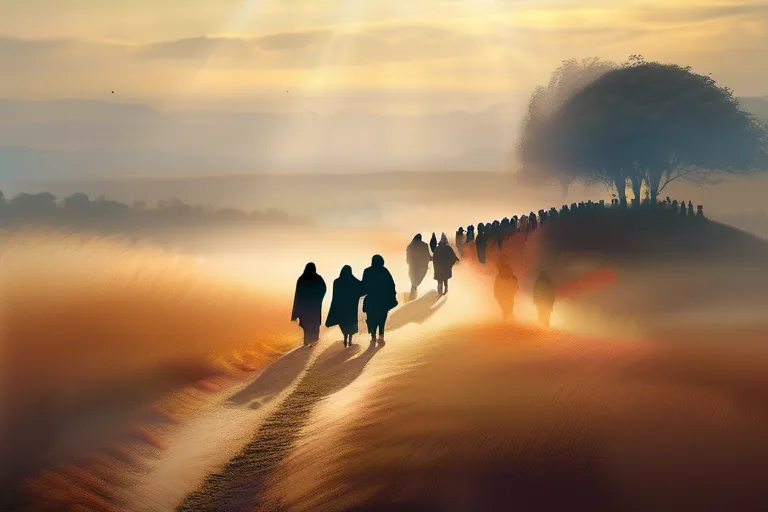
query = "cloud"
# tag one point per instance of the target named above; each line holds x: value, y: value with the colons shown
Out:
x: 509, y: 49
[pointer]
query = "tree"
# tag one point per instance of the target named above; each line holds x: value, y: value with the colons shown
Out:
x: 567, y: 80
x: 77, y: 201
x: 652, y: 123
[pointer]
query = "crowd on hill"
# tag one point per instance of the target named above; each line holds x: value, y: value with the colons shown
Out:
x: 377, y: 287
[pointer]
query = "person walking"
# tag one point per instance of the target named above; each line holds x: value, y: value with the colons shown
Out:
x: 433, y: 243
x: 481, y: 241
x: 380, y: 297
x: 544, y: 298
x: 308, y: 303
x: 505, y: 289
x: 460, y: 238
x: 444, y: 259
x: 347, y: 291
x: 417, y: 256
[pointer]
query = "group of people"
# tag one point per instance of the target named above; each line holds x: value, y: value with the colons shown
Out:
x: 377, y: 286
x: 418, y: 255
x: 505, y: 290
x: 496, y: 232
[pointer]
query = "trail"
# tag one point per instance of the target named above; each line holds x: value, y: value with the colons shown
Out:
x: 223, y: 459
x: 217, y: 460
x: 238, y: 486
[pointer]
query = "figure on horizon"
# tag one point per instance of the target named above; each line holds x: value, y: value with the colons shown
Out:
x: 433, y: 243
x: 544, y: 298
x: 444, y: 259
x: 380, y: 297
x: 418, y: 257
x: 460, y: 241
x: 505, y: 288
x: 480, y: 243
x: 470, y: 234
x: 308, y: 303
x: 347, y: 290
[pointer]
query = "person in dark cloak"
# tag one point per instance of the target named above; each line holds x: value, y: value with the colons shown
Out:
x: 460, y: 241
x: 682, y: 208
x: 505, y: 288
x: 347, y: 290
x: 470, y: 234
x: 504, y: 226
x: 433, y: 243
x: 380, y: 297
x: 444, y: 260
x: 532, y: 222
x: 544, y: 298
x: 496, y: 232
x: 480, y: 243
x: 308, y: 303
x: 691, y: 212
x: 418, y: 257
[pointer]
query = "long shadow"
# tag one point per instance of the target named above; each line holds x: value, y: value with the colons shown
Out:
x: 238, y: 486
x: 275, y: 378
x: 418, y: 311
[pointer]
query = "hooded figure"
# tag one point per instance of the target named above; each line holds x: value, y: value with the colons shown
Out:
x: 470, y: 234
x: 505, y: 288
x: 418, y: 257
x: 544, y: 297
x: 433, y: 243
x: 460, y: 241
x: 481, y: 242
x: 380, y: 297
x: 347, y: 290
x: 444, y: 260
x: 308, y: 303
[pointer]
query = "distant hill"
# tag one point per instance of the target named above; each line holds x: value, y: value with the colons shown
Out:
x: 758, y: 106
x: 104, y: 138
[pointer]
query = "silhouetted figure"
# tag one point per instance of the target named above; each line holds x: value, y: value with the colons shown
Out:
x: 505, y: 288
x: 523, y: 226
x: 460, y: 241
x: 444, y: 259
x: 532, y: 223
x: 544, y: 298
x: 418, y: 257
x: 433, y: 243
x: 380, y: 297
x: 308, y: 303
x: 347, y: 290
x: 682, y: 208
x: 481, y: 243
x: 470, y: 234
x: 700, y: 211
x: 496, y: 234
x: 691, y: 213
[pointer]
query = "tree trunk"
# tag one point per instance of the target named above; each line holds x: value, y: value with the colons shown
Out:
x: 621, y: 190
x: 653, y: 186
x: 637, y: 186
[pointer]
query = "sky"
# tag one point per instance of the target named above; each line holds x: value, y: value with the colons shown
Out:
x: 426, y: 54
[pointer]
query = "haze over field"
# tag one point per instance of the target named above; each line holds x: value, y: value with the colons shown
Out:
x: 168, y: 168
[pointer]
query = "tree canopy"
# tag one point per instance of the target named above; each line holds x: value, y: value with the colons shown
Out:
x: 567, y: 80
x: 647, y: 123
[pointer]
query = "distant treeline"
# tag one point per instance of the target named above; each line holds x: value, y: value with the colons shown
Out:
x: 80, y: 210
